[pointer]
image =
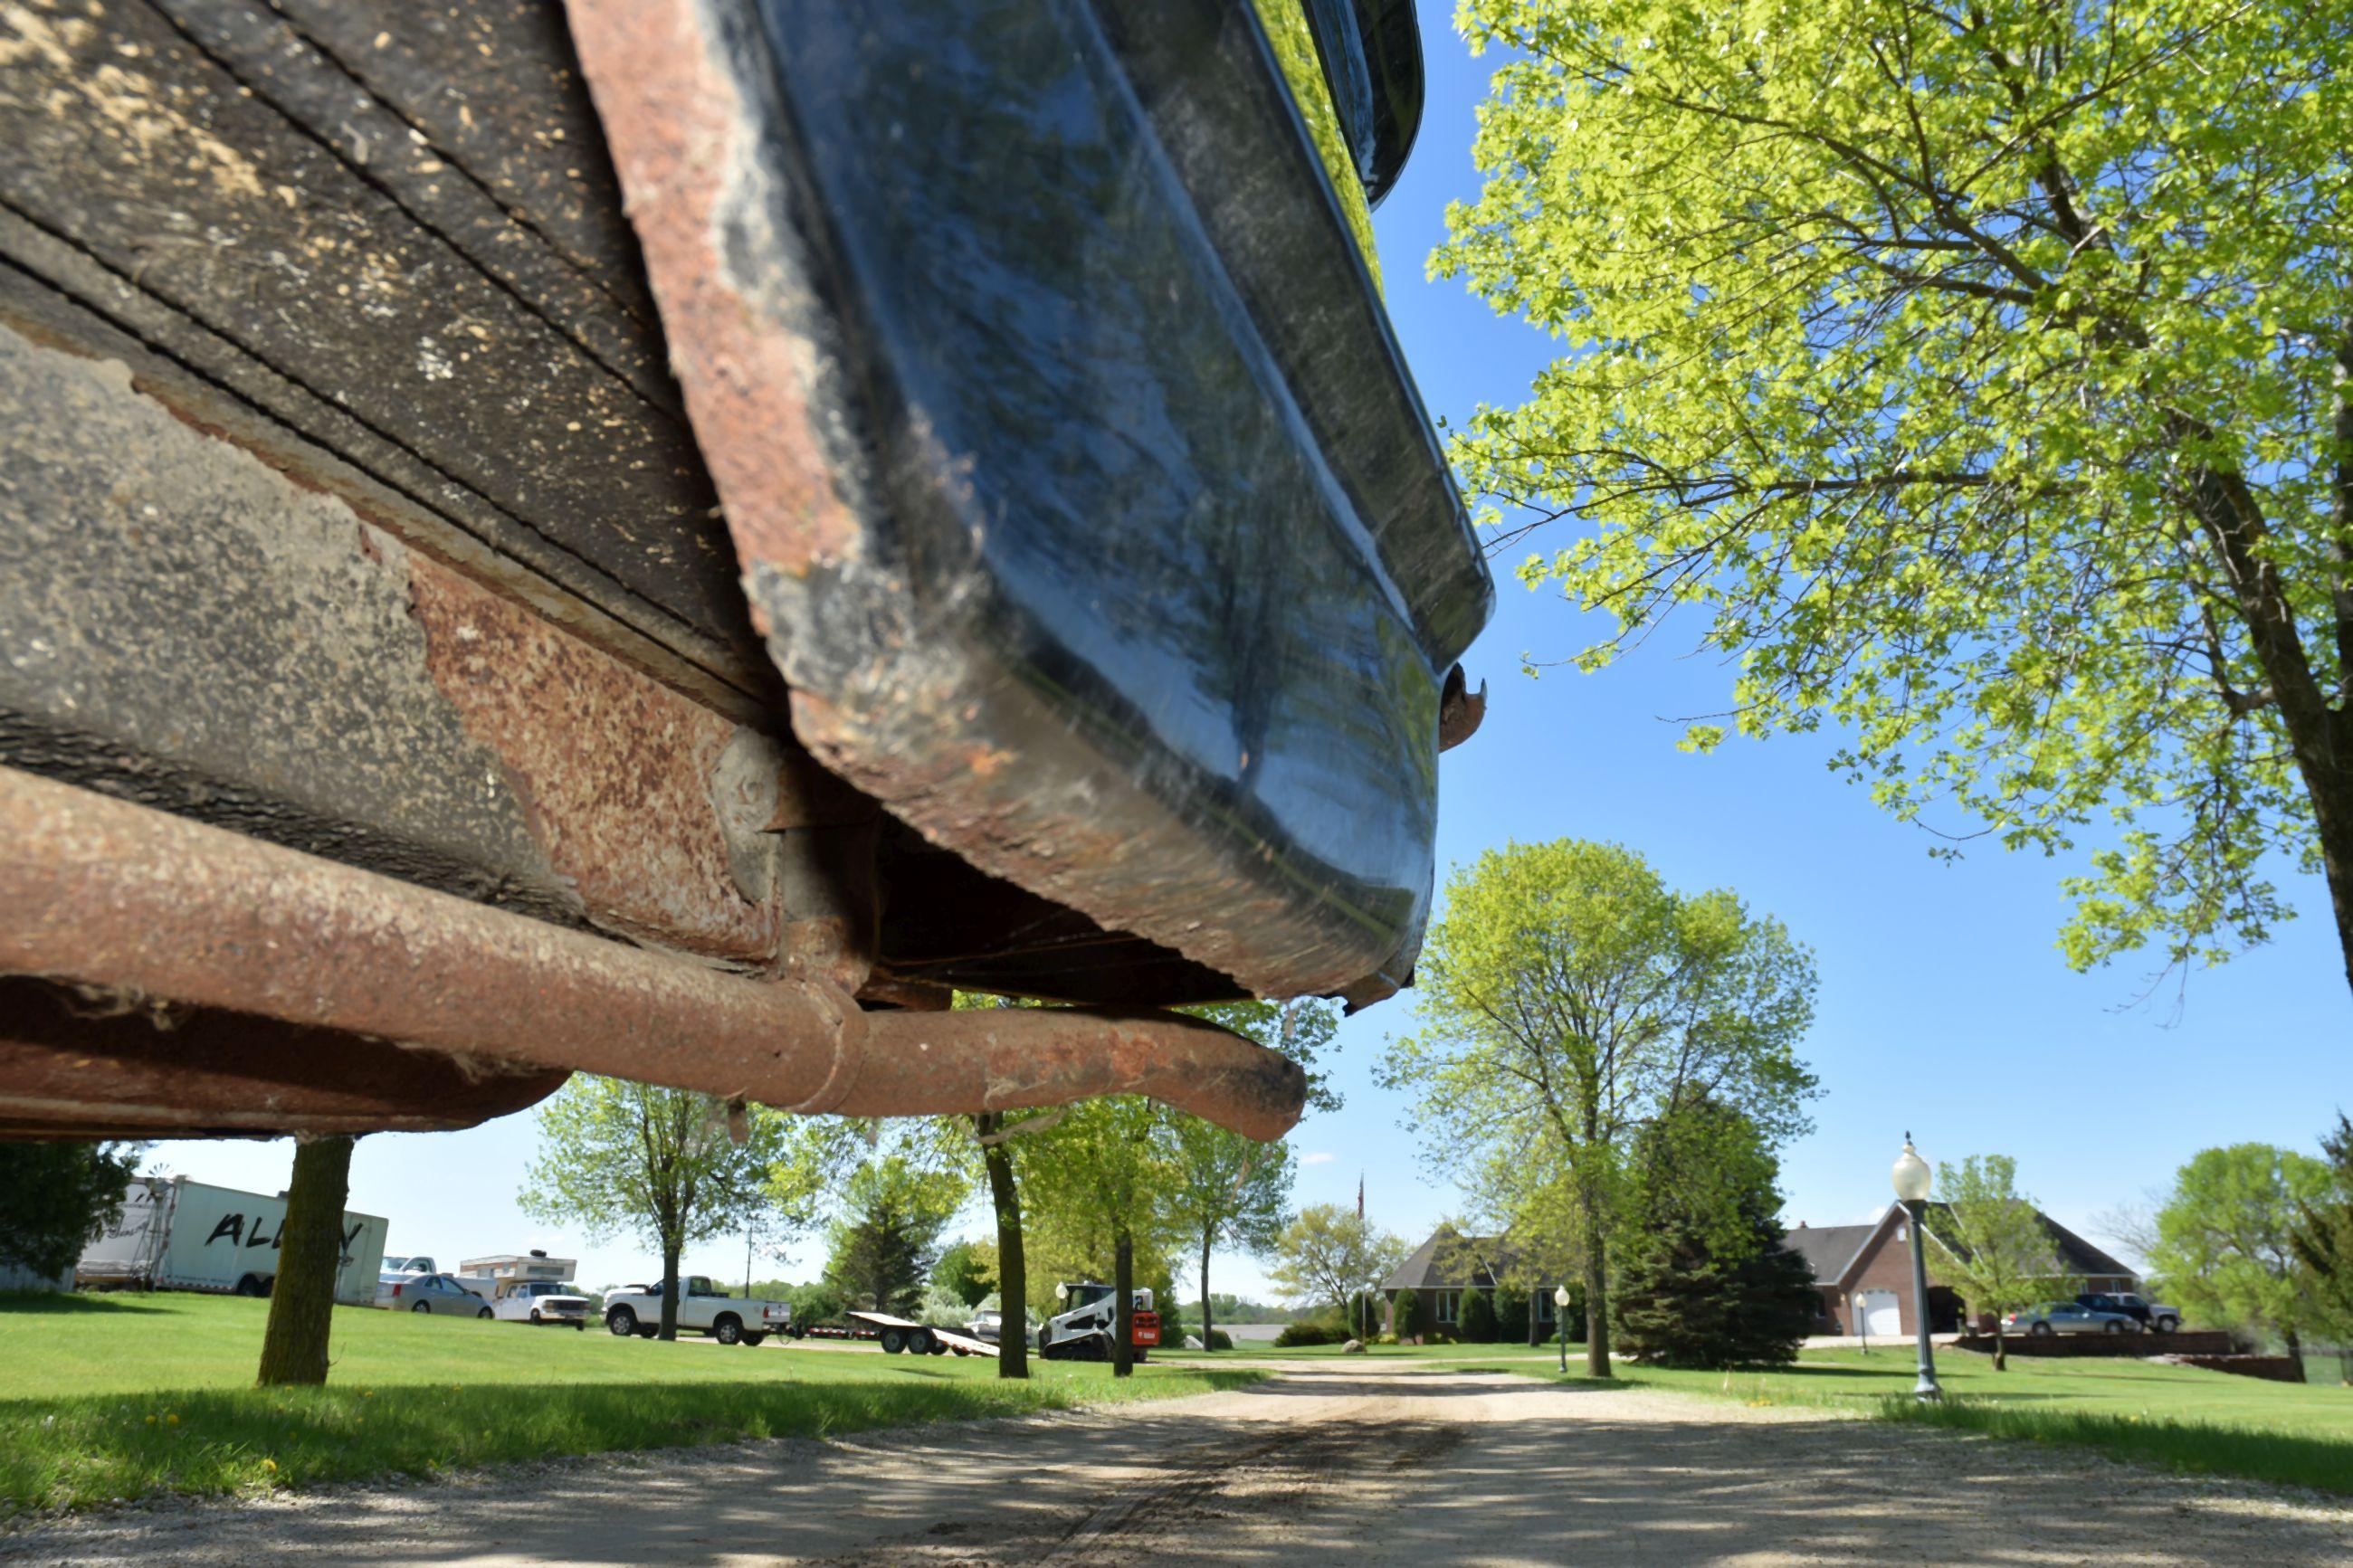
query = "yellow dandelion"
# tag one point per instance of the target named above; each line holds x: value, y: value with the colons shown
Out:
x: 171, y: 1420
x: 151, y: 1421
x: 269, y: 1464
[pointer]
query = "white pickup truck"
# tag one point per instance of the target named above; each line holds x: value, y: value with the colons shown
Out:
x: 701, y: 1307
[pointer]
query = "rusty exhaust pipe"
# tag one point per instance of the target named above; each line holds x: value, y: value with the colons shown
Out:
x: 102, y: 892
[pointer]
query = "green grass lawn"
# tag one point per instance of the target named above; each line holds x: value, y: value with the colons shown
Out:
x: 105, y: 1398
x: 2177, y: 1417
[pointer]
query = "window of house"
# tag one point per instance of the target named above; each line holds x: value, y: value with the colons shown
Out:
x: 1447, y: 1302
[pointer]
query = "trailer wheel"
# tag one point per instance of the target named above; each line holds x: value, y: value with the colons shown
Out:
x: 937, y: 1347
x: 728, y: 1329
x: 893, y: 1342
x: 920, y: 1342
x: 961, y: 1351
x: 622, y: 1321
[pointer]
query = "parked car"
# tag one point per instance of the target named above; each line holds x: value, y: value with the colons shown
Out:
x: 2150, y: 1317
x: 702, y: 1307
x: 542, y: 1301
x: 2068, y: 1317
x: 435, y: 1293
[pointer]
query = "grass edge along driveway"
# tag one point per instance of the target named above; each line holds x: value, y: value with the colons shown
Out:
x: 2174, y: 1417
x: 107, y: 1400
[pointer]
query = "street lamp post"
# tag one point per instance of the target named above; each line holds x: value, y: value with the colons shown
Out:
x: 1560, y: 1314
x: 1913, y: 1176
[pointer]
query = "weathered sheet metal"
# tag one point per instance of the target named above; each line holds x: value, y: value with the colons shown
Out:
x: 184, y: 624
x: 1078, y: 488
x: 89, y: 882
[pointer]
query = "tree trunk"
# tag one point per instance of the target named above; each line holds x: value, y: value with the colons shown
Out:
x: 302, y: 1301
x: 668, y: 1331
x: 2001, y: 1347
x: 1207, y: 1234
x: 1012, y: 1268
x: 2294, y: 1353
x: 1597, y: 1300
x: 1122, y: 1275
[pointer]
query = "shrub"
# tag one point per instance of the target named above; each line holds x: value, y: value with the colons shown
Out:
x: 1295, y: 1334
x: 1510, y: 1314
x: 1219, y: 1340
x: 1409, y: 1324
x: 1478, y: 1319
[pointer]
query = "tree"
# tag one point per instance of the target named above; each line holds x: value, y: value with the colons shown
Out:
x: 1233, y: 1189
x: 1704, y: 1279
x: 886, y: 1241
x: 1566, y: 999
x: 1102, y: 1176
x: 1990, y: 1243
x: 1330, y: 1252
x: 966, y: 1272
x: 664, y: 1165
x: 1478, y: 1319
x: 310, y: 1256
x: 2322, y: 1239
x: 57, y: 1198
x: 2224, y: 1238
x: 1981, y: 375
x: 1405, y: 1320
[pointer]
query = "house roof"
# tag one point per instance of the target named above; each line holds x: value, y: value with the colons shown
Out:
x: 1827, y: 1249
x: 1831, y: 1251
x: 1448, y: 1261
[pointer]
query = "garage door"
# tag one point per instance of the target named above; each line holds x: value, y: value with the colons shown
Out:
x: 1882, y: 1318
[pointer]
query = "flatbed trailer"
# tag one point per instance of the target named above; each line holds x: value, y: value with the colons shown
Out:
x: 921, y: 1338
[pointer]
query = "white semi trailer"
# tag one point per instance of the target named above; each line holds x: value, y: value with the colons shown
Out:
x: 181, y: 1234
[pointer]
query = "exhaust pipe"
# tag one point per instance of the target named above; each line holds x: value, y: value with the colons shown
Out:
x: 101, y: 893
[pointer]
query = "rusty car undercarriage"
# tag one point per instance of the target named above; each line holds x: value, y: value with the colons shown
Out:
x: 668, y: 537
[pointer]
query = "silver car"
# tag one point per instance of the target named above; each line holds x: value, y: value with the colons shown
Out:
x: 434, y: 1293
x: 2068, y: 1317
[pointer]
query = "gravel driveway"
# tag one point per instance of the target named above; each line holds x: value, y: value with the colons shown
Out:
x: 1382, y: 1466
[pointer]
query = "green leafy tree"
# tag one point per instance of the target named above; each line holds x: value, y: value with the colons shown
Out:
x: 1703, y: 1277
x: 1988, y: 1241
x: 2322, y: 1238
x: 1328, y: 1253
x: 1981, y: 375
x: 1102, y: 1178
x: 57, y: 1198
x: 1513, y: 1320
x: 2224, y: 1247
x: 1233, y: 1190
x: 667, y: 1165
x: 1568, y: 999
x: 885, y: 1242
x: 966, y: 1271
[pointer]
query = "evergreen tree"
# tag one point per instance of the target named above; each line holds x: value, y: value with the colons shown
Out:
x: 2322, y: 1237
x: 1478, y: 1320
x: 1512, y: 1315
x: 1705, y: 1279
x: 887, y: 1239
x: 57, y: 1198
x: 1407, y: 1325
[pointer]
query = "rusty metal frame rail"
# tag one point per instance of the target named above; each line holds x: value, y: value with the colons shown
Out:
x: 101, y: 893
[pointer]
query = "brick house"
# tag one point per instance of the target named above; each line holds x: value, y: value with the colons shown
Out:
x: 1450, y: 1263
x: 1863, y: 1273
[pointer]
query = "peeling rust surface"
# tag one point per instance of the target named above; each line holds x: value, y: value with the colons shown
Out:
x: 615, y: 771
x: 675, y: 124
x: 100, y: 893
x: 94, y: 1066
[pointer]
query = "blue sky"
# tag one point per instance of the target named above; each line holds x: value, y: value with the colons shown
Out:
x: 1945, y: 1008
